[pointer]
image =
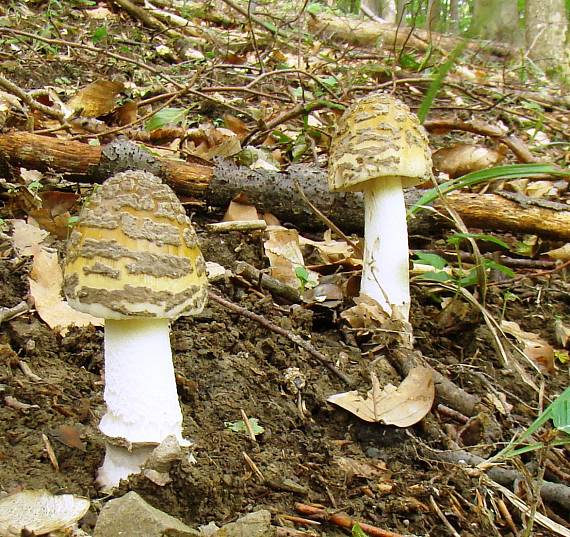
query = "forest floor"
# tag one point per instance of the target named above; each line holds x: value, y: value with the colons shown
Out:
x: 227, y: 364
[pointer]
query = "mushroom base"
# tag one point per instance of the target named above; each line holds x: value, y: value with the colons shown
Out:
x: 120, y: 463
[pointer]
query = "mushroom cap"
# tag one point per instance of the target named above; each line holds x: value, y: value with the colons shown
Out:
x: 378, y: 136
x: 134, y: 253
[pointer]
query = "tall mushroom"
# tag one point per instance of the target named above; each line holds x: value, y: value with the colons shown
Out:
x: 134, y: 260
x: 379, y: 147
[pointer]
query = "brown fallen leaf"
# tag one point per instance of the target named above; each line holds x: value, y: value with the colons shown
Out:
x: 96, y: 99
x: 46, y: 280
x: 26, y: 238
x: 284, y: 254
x: 403, y: 406
x: 70, y: 436
x: 362, y: 468
x: 562, y: 253
x: 465, y: 158
x: 240, y: 211
x: 536, y: 348
x: 562, y: 333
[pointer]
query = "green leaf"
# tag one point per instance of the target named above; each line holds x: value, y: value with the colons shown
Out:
x: 166, y: 116
x: 329, y: 81
x: 471, y: 279
x: 409, y: 62
x: 302, y: 273
x: 435, y: 277
x: 511, y: 171
x: 437, y: 82
x: 299, y: 148
x: 72, y: 220
x: 456, y: 238
x: 434, y: 260
x: 99, y: 34
x: 240, y: 427
x: 357, y: 531
x: 315, y: 8
x: 561, y: 412
x: 493, y: 265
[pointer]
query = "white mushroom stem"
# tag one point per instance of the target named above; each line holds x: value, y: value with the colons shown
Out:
x: 140, y: 387
x: 140, y: 393
x: 385, y: 276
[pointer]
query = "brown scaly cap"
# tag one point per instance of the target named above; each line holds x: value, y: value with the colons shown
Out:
x: 378, y: 136
x: 134, y: 253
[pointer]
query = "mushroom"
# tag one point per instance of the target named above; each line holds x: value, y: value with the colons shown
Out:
x: 379, y: 147
x: 134, y: 260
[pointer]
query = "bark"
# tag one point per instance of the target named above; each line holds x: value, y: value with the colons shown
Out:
x: 389, y: 11
x: 497, y: 20
x: 271, y: 191
x: 546, y: 33
x: 433, y: 22
x: 374, y: 34
x: 81, y: 162
x: 453, y: 20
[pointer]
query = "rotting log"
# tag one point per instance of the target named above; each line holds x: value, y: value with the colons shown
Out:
x: 366, y: 33
x: 274, y: 192
x: 78, y: 161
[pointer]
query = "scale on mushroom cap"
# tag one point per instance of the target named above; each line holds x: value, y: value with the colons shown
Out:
x: 134, y: 260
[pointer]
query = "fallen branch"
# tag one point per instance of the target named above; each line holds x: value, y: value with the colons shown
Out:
x: 549, y: 492
x: 274, y: 192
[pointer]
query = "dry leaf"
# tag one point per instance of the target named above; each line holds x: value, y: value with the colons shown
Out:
x: 562, y: 253
x: 208, y: 142
x: 96, y: 99
x: 538, y: 350
x: 541, y: 189
x: 368, y: 315
x: 403, y: 406
x: 236, y: 125
x: 127, y: 113
x: 362, y: 468
x: 53, y: 215
x: 70, y: 436
x: 329, y: 250
x: 464, y: 158
x: 27, y: 238
x: 562, y: 333
x: 46, y: 280
x: 39, y: 512
x: 99, y: 13
x: 239, y: 212
x: 284, y: 254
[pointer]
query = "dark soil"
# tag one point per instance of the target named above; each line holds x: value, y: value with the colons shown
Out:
x: 227, y: 363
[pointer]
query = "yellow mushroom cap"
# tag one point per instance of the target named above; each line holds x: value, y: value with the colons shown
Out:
x: 378, y: 136
x: 134, y: 253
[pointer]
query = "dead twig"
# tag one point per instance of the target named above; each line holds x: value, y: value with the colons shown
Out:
x: 442, y: 517
x: 9, y: 313
x: 343, y: 520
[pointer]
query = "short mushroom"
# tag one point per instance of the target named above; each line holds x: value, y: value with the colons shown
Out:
x: 379, y: 147
x: 134, y: 260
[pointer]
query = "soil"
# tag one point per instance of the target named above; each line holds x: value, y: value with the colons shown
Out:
x: 310, y: 451
x: 227, y: 363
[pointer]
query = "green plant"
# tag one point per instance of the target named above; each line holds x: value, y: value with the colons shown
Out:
x: 304, y: 277
x: 460, y: 277
x: 511, y: 171
x: 240, y: 426
x: 357, y: 531
x: 559, y: 412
